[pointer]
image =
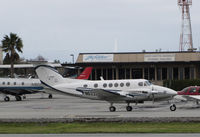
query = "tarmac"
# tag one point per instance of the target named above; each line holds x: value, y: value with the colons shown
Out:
x: 69, y: 109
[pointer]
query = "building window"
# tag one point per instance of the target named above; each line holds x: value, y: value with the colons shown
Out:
x: 187, y: 73
x: 164, y: 73
x: 159, y: 71
x: 98, y: 74
x: 152, y: 73
x: 121, y: 73
x: 181, y: 73
x: 175, y: 73
x: 93, y: 74
x: 110, y: 74
x: 146, y: 73
x: 192, y: 73
x: 127, y: 73
x: 104, y: 74
x: 137, y: 73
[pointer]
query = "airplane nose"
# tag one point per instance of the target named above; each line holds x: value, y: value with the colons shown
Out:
x: 172, y: 92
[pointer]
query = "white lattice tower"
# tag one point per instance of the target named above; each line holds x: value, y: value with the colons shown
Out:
x: 186, y: 30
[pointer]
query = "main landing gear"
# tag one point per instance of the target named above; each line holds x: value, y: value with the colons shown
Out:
x: 113, y: 109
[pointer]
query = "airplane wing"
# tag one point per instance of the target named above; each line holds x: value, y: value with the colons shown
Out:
x: 111, y: 95
x: 19, y: 92
x: 192, y: 97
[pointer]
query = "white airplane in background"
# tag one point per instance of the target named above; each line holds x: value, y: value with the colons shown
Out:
x: 112, y: 91
x: 22, y: 86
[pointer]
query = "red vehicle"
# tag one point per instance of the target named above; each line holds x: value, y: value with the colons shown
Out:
x: 191, y: 93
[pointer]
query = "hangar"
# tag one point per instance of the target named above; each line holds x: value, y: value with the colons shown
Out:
x: 154, y: 66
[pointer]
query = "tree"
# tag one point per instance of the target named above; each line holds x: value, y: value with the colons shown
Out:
x: 11, y: 45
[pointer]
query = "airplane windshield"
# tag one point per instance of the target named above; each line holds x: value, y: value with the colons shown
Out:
x: 148, y: 83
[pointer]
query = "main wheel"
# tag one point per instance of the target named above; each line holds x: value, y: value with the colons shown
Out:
x: 112, y: 109
x: 6, y: 99
x: 18, y: 98
x: 129, y: 108
x: 173, y: 107
x: 50, y: 96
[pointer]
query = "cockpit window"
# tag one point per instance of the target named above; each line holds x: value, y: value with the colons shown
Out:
x: 185, y: 90
x: 140, y: 84
x: 147, y: 83
x: 192, y: 90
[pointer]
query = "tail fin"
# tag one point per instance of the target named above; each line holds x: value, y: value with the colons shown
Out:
x: 85, y: 74
x: 49, y: 75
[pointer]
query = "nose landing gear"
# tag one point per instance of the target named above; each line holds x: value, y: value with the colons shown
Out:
x: 173, y: 107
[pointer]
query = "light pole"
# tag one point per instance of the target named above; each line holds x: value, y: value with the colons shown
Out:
x: 72, y: 58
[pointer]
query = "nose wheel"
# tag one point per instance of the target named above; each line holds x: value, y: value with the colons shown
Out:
x: 6, y: 99
x: 112, y: 109
x: 173, y: 107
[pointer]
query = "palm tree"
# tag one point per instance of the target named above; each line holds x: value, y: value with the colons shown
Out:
x: 11, y: 45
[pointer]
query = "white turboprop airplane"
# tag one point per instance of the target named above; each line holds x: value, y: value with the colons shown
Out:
x: 112, y: 91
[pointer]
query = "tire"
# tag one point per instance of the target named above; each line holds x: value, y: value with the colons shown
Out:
x: 6, y: 99
x: 173, y: 107
x: 18, y: 98
x: 129, y: 108
x: 112, y: 109
x: 50, y: 96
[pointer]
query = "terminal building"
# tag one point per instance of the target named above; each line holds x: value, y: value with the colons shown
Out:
x: 154, y: 66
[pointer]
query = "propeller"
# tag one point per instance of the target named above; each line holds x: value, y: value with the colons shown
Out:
x: 153, y: 92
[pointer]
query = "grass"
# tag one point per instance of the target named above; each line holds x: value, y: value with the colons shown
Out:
x: 55, y: 128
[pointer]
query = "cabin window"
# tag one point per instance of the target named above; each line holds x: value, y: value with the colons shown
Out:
x: 128, y: 84
x: 192, y: 90
x: 8, y: 83
x: 121, y: 84
x: 22, y: 83
x: 104, y: 85
x: 95, y: 85
x: 14, y: 83
x: 3, y: 83
x: 116, y: 84
x: 110, y: 84
x: 85, y: 86
x: 140, y: 84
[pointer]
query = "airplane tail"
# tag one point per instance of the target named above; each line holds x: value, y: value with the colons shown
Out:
x: 85, y: 74
x: 49, y: 75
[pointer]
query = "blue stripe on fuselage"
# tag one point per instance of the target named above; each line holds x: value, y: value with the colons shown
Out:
x: 29, y: 88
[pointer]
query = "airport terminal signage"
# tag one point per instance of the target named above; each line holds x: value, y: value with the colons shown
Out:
x: 98, y: 58
x: 159, y: 57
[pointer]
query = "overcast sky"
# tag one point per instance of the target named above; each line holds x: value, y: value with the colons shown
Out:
x: 57, y: 28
